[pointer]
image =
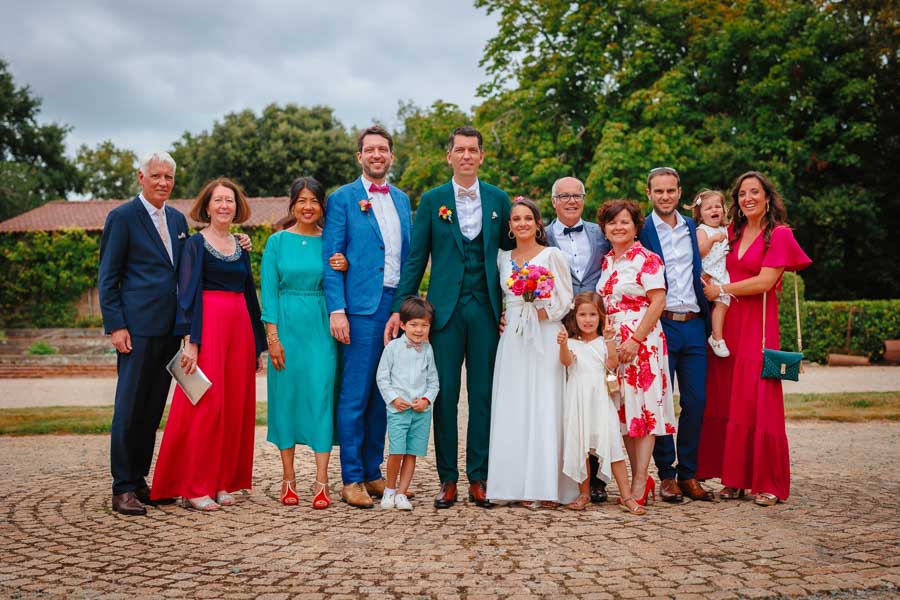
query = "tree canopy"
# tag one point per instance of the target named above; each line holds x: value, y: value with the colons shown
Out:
x: 107, y: 171
x: 265, y: 152
x: 33, y: 165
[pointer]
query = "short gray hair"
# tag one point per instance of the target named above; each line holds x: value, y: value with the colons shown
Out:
x: 163, y: 157
x: 555, y: 183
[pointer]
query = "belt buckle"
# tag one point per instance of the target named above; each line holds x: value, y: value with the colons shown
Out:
x: 679, y: 317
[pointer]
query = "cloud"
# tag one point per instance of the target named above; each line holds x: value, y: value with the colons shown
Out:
x: 143, y: 73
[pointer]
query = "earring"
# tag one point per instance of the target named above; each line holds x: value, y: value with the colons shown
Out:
x: 510, y: 234
x: 540, y: 234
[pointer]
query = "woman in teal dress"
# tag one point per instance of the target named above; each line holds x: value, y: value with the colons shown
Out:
x: 302, y: 353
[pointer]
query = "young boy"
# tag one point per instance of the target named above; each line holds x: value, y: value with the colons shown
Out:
x: 408, y: 381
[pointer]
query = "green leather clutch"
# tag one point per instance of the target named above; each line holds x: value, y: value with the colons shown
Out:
x: 778, y: 364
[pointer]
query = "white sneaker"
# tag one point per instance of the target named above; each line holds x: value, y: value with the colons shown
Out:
x: 387, y: 501
x: 402, y: 502
x: 719, y: 347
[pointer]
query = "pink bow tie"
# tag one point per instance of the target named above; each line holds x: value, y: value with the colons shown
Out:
x: 412, y: 344
x: 470, y: 194
x: 379, y: 189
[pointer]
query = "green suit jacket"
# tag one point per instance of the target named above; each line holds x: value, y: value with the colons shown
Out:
x: 442, y: 240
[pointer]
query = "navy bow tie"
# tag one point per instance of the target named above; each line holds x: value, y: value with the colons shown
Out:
x: 577, y: 228
x: 379, y: 189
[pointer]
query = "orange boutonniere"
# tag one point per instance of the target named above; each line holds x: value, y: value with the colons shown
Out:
x: 446, y: 214
x: 365, y: 204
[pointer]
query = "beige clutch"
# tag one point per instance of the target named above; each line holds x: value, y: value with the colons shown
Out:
x: 193, y: 385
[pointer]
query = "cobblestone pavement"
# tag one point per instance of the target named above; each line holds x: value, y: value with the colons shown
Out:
x: 838, y: 534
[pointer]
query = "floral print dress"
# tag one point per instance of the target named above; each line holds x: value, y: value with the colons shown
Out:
x: 647, y: 407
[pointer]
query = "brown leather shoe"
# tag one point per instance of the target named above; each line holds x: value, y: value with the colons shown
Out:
x: 447, y: 496
x: 670, y: 492
x: 693, y: 490
x: 355, y: 494
x: 143, y: 494
x: 128, y: 504
x: 375, y: 488
x: 478, y: 494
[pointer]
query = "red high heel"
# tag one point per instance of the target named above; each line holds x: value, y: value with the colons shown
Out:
x: 289, y: 496
x: 649, y: 489
x: 321, y: 499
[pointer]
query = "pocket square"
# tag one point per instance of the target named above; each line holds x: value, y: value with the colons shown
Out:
x: 493, y: 215
x: 182, y: 235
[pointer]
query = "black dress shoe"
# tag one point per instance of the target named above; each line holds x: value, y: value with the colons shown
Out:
x: 143, y: 494
x: 598, y: 493
x: 447, y: 496
x: 128, y: 504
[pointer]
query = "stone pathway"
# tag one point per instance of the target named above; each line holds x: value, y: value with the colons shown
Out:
x: 839, y: 535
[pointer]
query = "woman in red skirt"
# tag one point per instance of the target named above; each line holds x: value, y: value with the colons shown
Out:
x: 743, y: 440
x: 207, y: 448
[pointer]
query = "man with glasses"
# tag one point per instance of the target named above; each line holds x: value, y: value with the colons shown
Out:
x: 686, y: 324
x: 584, y: 245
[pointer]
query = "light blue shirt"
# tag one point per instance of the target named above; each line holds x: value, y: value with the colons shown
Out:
x: 154, y: 216
x: 407, y: 373
x: 678, y: 255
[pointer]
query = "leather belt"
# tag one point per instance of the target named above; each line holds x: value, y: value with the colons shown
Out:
x: 680, y: 317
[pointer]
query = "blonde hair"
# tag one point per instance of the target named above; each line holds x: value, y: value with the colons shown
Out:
x: 702, y: 196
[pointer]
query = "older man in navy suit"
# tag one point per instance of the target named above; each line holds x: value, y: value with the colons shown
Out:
x: 139, y: 255
x: 584, y: 245
x: 369, y: 222
x: 686, y: 324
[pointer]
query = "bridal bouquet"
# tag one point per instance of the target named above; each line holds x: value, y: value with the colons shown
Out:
x: 530, y: 281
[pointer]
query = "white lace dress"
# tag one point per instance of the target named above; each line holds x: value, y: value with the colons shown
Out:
x: 526, y: 447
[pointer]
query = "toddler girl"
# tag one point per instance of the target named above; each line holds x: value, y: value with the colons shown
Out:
x: 591, y: 423
x: 712, y: 238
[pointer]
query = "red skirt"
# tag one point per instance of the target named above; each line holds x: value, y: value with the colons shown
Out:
x: 208, y: 447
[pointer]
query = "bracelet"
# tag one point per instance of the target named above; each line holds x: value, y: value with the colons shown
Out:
x: 273, y: 340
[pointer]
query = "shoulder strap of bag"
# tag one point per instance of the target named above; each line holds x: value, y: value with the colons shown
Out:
x: 796, y: 313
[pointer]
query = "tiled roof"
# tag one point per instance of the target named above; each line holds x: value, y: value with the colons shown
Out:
x: 90, y: 215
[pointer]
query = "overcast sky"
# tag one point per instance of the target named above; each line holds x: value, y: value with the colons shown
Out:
x: 142, y: 73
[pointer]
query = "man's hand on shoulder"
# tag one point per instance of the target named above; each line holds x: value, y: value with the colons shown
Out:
x: 392, y: 328
x: 244, y: 241
x: 121, y: 340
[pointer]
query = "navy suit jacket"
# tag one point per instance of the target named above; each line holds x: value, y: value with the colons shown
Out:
x: 599, y: 247
x: 355, y: 234
x: 650, y: 240
x: 137, y: 281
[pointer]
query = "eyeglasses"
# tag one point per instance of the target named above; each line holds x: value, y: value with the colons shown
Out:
x: 568, y: 197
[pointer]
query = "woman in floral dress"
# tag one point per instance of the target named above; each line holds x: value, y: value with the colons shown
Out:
x: 632, y: 284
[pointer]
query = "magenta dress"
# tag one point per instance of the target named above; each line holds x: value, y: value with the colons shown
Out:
x: 743, y: 440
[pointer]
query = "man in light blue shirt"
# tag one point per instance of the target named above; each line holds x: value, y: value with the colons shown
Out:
x: 685, y: 322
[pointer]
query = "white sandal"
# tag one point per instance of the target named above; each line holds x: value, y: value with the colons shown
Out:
x: 203, y: 504
x: 225, y: 499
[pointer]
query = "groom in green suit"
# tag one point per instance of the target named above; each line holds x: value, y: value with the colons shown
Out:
x: 461, y: 225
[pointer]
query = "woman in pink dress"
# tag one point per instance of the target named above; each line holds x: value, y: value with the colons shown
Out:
x: 632, y: 284
x: 743, y: 440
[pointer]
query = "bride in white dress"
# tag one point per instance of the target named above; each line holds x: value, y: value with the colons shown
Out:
x: 526, y: 449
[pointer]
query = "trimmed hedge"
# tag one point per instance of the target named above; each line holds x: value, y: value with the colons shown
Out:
x: 826, y: 327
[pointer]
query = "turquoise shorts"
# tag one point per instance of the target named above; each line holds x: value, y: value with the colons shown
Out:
x: 408, y: 432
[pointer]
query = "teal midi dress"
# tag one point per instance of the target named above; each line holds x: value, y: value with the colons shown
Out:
x: 301, y: 396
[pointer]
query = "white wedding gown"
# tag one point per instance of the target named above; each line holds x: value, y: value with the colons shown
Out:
x: 526, y: 448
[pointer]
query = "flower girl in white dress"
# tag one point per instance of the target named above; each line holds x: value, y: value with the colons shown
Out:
x: 591, y: 425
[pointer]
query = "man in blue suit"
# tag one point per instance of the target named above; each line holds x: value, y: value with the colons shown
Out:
x: 584, y: 245
x: 685, y: 322
x: 369, y: 222
x: 139, y: 254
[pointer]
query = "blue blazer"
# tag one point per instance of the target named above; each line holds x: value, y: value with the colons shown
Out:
x: 137, y: 281
x: 355, y: 233
x: 650, y: 240
x: 599, y: 247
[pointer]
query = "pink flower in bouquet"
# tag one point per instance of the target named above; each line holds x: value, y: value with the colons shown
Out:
x: 518, y: 287
x: 530, y: 281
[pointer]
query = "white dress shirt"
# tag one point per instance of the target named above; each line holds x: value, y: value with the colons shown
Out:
x: 468, y: 211
x: 678, y: 255
x: 154, y: 215
x: 389, y: 224
x: 576, y: 245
